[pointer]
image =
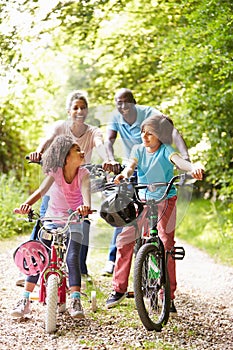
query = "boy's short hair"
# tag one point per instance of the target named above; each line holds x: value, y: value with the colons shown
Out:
x: 162, y: 126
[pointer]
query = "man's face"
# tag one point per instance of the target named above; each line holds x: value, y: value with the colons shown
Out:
x: 124, y: 105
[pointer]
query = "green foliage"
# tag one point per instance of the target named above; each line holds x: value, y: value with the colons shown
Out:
x: 208, y: 226
x: 12, y: 194
x: 174, y: 55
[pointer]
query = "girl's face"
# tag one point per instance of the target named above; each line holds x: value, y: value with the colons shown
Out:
x: 78, y: 110
x: 75, y: 155
x: 149, y: 138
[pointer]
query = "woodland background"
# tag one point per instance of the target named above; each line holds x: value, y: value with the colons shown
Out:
x: 174, y: 55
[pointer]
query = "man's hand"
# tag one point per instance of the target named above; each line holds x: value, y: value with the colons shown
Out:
x: 112, y: 166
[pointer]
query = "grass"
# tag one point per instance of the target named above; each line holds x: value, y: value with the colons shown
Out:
x: 208, y: 226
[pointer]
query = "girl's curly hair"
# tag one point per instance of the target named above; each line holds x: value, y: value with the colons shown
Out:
x: 162, y: 126
x: 55, y: 156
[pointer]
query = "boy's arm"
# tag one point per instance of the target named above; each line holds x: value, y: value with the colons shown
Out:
x: 180, y: 144
x: 195, y: 169
x: 127, y: 172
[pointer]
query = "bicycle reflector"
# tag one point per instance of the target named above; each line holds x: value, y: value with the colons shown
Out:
x: 31, y: 258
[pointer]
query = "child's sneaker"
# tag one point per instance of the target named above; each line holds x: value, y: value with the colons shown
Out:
x: 114, y: 299
x: 22, y: 308
x: 76, y: 309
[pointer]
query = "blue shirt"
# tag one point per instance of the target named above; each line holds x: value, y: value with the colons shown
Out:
x: 154, y: 167
x: 131, y: 134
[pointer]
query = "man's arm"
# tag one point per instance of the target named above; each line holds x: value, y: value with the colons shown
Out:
x: 112, y: 165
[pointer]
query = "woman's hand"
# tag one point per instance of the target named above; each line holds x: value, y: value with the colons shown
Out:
x: 23, y: 209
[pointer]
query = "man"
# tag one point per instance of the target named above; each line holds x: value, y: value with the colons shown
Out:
x: 127, y: 121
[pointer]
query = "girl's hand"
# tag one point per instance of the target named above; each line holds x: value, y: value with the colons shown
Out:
x: 83, y: 210
x: 23, y: 209
x: 118, y: 178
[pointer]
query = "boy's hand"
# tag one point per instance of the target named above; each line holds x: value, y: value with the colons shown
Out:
x: 118, y: 178
x: 197, y: 172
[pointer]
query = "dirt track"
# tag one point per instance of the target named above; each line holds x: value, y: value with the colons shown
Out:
x: 204, y: 301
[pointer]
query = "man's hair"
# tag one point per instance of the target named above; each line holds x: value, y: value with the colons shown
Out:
x: 162, y: 126
x: 127, y: 93
x: 76, y: 95
x: 55, y: 156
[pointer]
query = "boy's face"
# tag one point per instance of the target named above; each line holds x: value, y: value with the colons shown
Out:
x: 149, y: 137
x: 78, y: 110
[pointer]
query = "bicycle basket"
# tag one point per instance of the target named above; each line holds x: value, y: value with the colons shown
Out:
x: 31, y: 258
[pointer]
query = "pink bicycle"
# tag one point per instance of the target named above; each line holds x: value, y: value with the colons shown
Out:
x: 34, y: 256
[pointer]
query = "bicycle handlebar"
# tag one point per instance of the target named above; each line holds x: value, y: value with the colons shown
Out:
x: 32, y: 216
x: 126, y: 183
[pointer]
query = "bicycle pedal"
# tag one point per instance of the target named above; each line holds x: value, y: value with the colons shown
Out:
x: 177, y: 253
x: 130, y: 295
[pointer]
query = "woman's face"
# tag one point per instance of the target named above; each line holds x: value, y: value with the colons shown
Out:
x: 78, y: 110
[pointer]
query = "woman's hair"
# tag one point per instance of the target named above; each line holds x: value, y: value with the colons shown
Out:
x: 162, y: 126
x: 55, y: 156
x: 76, y: 95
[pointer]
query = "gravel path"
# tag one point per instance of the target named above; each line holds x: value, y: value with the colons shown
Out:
x: 204, y: 302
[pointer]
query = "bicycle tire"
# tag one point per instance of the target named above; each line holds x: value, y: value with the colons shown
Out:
x: 51, y: 304
x: 151, y: 293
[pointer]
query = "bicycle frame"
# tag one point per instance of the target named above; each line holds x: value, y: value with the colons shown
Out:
x: 56, y: 267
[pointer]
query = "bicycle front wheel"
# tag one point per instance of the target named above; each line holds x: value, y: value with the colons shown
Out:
x: 51, y: 304
x: 151, y: 287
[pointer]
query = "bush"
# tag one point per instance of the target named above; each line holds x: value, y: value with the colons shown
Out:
x: 12, y: 194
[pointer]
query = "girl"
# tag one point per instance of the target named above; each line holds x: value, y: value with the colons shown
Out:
x: 70, y: 190
x: 155, y: 160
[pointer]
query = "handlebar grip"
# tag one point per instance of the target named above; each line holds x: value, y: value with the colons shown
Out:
x: 33, y: 161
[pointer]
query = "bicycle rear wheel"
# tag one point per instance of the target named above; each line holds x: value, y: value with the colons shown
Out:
x: 51, y: 304
x: 151, y: 288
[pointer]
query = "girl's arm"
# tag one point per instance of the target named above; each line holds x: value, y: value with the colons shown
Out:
x: 127, y: 172
x: 195, y: 169
x: 35, y: 196
x: 86, y: 194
